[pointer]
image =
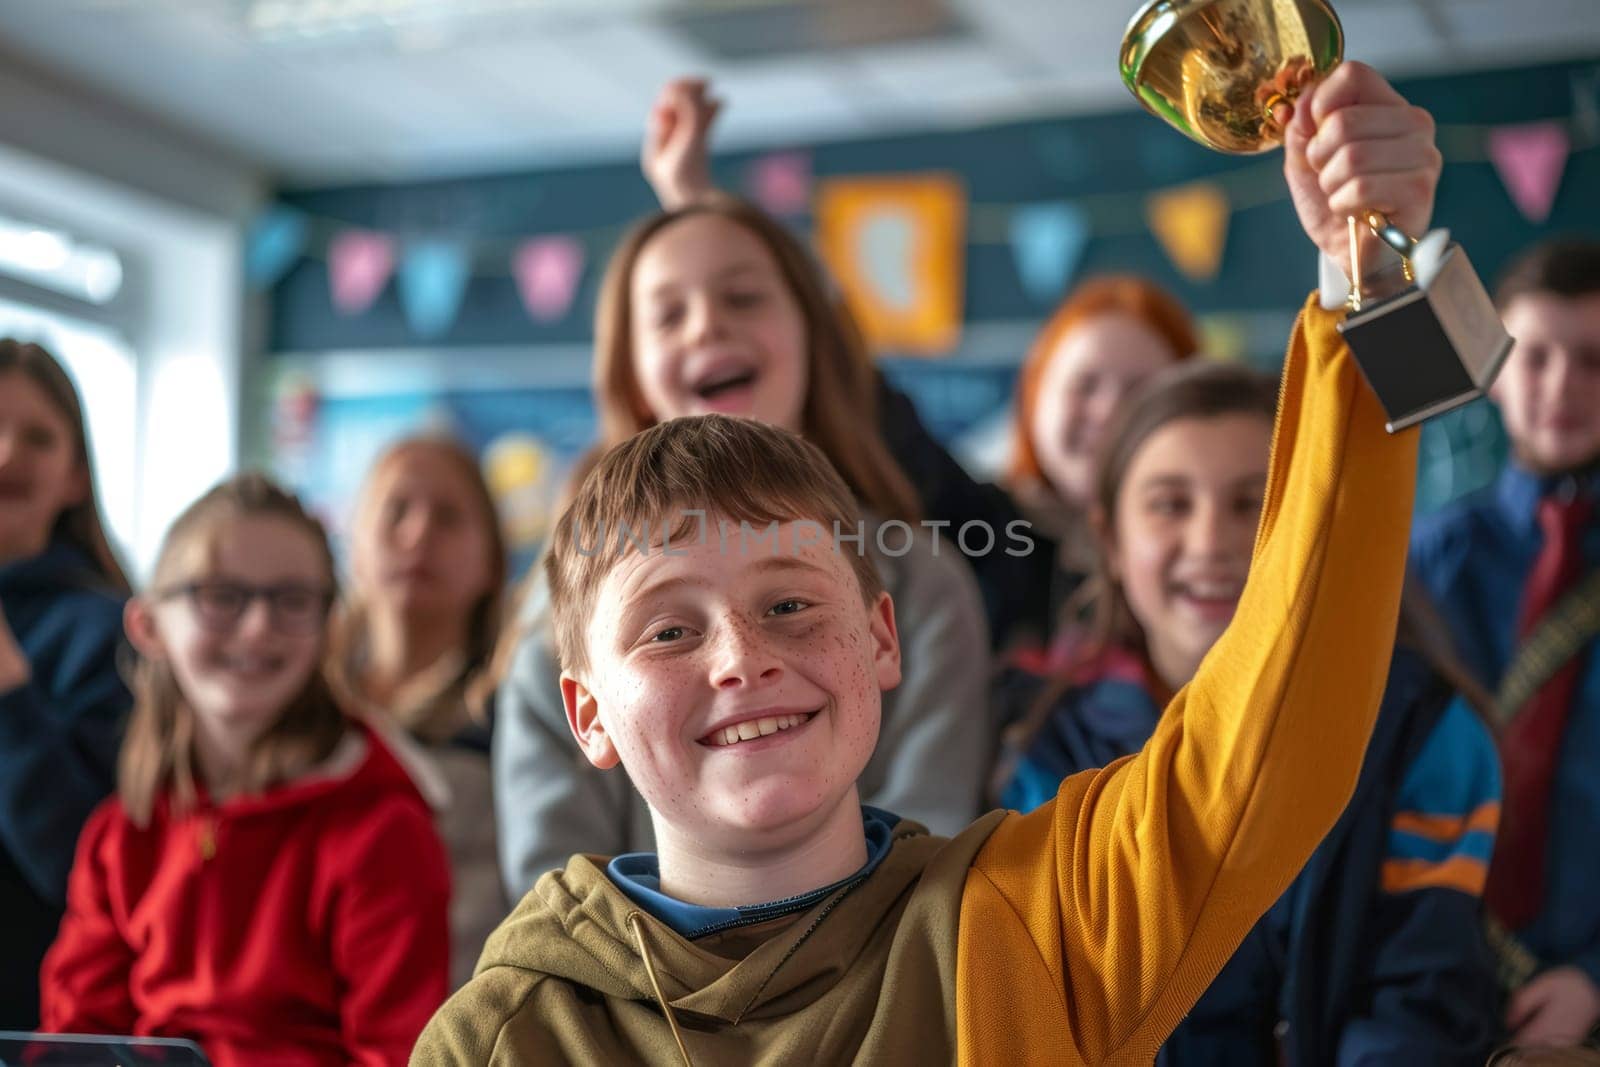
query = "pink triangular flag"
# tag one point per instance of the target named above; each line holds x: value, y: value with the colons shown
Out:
x: 359, y: 265
x: 547, y: 270
x: 1530, y: 158
x: 781, y: 182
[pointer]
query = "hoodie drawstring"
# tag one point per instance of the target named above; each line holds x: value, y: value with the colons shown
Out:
x: 635, y: 923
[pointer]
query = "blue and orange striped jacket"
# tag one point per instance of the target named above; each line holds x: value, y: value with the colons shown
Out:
x: 1374, y: 954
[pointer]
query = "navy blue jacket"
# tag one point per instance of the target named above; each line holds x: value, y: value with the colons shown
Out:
x: 1375, y: 954
x: 1475, y: 555
x: 1016, y: 588
x: 59, y: 736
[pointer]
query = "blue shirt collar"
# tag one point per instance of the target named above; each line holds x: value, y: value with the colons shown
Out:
x: 1519, y: 491
x: 638, y: 875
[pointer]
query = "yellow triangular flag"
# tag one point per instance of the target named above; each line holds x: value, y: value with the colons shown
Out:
x: 1191, y: 222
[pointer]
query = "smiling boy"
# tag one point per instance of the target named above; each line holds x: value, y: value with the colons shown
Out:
x: 779, y: 920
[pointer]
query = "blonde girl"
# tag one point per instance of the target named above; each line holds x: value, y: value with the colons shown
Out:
x: 428, y: 567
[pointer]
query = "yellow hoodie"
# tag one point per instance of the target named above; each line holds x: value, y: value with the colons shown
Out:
x: 1080, y: 933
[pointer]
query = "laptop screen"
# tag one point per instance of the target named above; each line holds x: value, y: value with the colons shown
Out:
x: 86, y: 1050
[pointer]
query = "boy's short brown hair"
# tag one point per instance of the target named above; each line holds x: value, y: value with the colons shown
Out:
x: 665, y: 482
x: 1566, y: 267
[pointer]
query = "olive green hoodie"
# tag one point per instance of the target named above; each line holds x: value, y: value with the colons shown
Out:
x: 852, y: 978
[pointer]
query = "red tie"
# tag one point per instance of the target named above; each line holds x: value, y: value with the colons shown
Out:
x: 1531, y: 742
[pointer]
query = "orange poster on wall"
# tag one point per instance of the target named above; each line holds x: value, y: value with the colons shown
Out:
x: 896, y: 246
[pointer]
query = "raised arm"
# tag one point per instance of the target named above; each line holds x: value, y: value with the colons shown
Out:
x: 676, y: 155
x: 1134, y: 887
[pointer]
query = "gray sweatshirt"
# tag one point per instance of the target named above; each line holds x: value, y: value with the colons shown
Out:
x: 935, y: 745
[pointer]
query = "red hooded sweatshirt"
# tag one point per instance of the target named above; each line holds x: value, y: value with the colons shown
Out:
x: 306, y: 925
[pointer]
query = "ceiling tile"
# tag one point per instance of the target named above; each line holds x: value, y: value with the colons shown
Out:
x: 564, y: 79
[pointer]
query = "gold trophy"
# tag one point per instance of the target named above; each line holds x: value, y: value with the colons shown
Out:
x: 1427, y: 340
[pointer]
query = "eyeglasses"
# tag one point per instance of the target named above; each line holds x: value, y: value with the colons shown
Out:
x: 294, y: 608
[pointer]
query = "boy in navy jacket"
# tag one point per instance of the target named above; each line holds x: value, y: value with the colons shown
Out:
x: 1499, y: 561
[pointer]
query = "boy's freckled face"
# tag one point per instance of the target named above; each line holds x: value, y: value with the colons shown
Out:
x: 741, y: 684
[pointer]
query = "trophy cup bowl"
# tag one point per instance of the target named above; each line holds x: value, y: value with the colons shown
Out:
x: 1217, y: 69
x: 1221, y: 71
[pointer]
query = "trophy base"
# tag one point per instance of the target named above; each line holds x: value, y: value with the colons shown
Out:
x: 1427, y: 350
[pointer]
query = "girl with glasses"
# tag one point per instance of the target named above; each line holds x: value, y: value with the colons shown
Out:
x: 267, y: 880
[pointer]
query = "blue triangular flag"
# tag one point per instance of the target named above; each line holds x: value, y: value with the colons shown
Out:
x: 1048, y: 241
x: 275, y: 241
x: 433, y: 279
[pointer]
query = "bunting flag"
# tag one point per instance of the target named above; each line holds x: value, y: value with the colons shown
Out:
x: 275, y: 241
x: 547, y: 270
x: 433, y: 278
x: 1048, y: 241
x: 898, y: 249
x: 781, y: 182
x: 1191, y: 222
x: 359, y: 265
x: 1529, y: 159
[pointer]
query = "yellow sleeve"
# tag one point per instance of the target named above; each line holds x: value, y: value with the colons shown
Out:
x: 1125, y: 896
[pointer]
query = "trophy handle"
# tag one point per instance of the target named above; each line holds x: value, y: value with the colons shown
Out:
x: 1387, y: 232
x: 1390, y: 234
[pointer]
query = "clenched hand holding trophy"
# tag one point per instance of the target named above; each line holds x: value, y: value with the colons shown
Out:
x: 1228, y: 73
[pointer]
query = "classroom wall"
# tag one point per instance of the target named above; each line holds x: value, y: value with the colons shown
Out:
x: 469, y: 378
x: 1267, y: 261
